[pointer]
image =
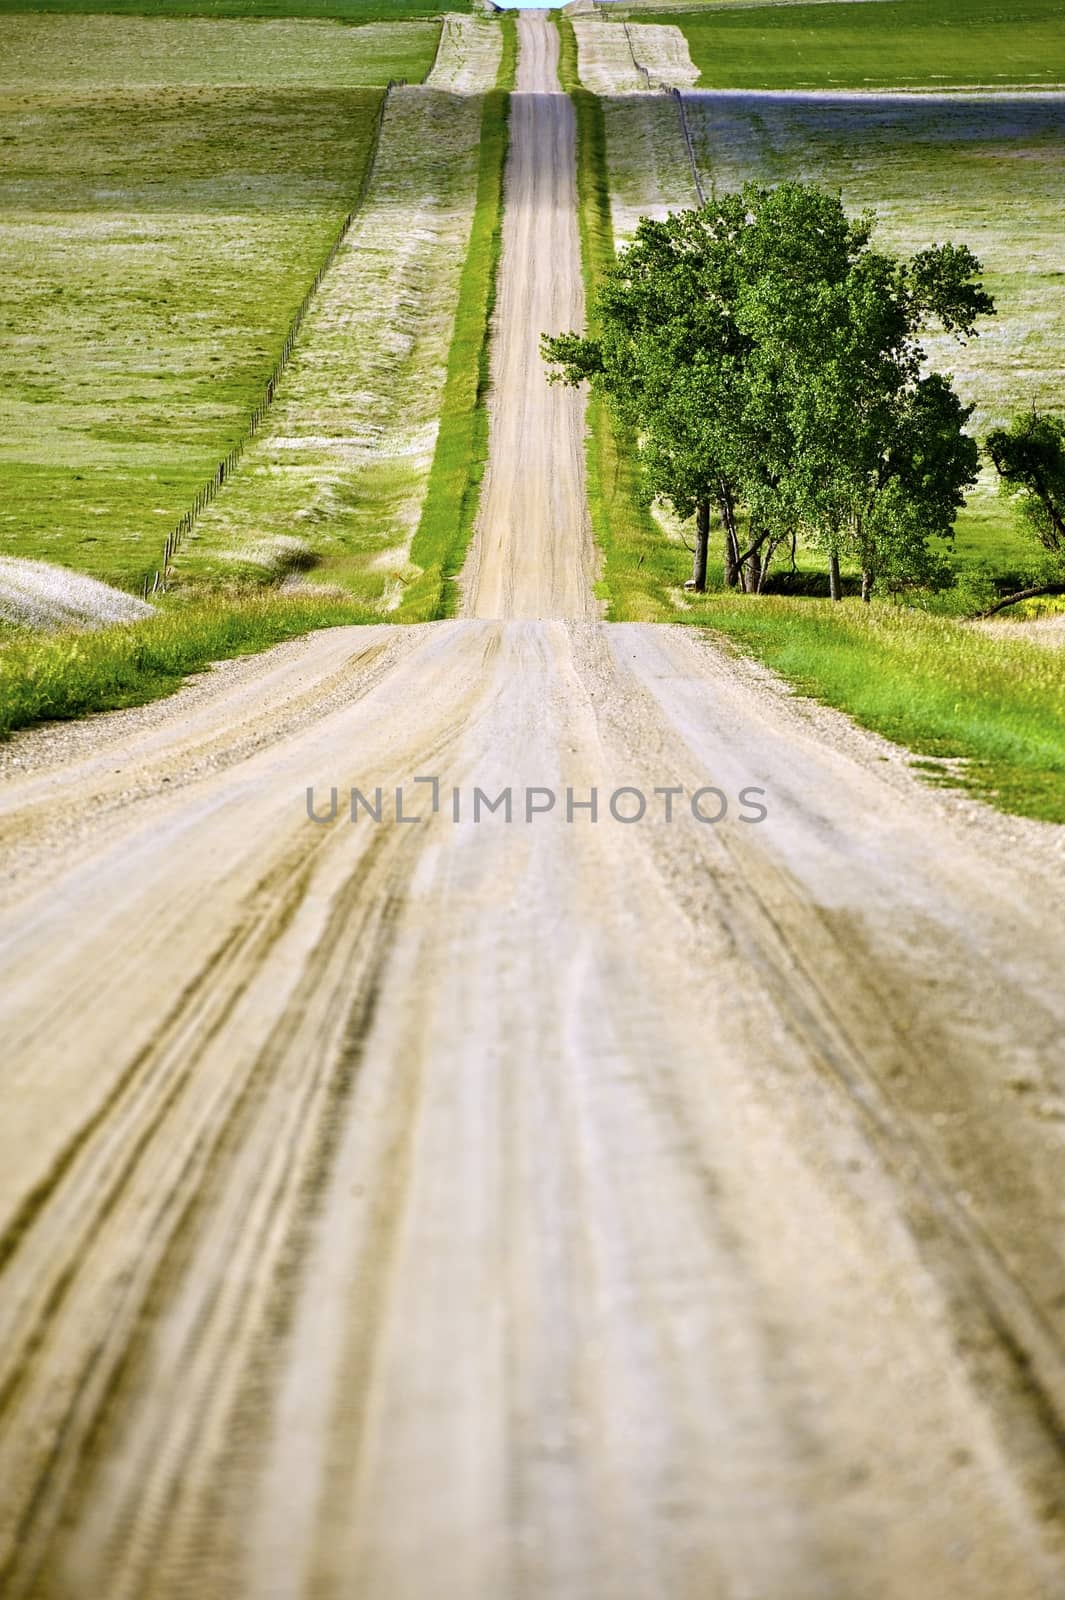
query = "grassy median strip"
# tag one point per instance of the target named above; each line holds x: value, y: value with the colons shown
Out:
x: 639, y: 564
x: 446, y: 522
x: 508, y: 61
x: 59, y: 676
x: 986, y: 714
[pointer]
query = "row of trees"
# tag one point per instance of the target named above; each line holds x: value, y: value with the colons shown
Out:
x: 769, y: 361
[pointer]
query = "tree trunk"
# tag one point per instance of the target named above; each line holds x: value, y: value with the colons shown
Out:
x: 834, y: 588
x: 867, y: 585
x: 732, y: 577
x: 771, y: 551
x: 750, y: 562
x: 732, y: 549
x: 1023, y: 594
x: 702, y: 540
x: 1057, y: 522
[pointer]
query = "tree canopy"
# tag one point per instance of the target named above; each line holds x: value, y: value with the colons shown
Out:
x: 769, y: 362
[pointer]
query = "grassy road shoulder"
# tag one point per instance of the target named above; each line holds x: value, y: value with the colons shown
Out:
x: 984, y: 714
x: 453, y: 493
x: 638, y: 563
x: 59, y: 676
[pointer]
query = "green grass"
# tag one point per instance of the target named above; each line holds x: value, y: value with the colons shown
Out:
x: 454, y: 487
x: 48, y: 677
x: 944, y: 690
x: 337, y: 475
x: 508, y: 64
x: 50, y: 53
x: 153, y: 249
x: 633, y: 549
x: 351, y: 11
x: 892, y: 43
x: 154, y: 246
x: 568, y: 72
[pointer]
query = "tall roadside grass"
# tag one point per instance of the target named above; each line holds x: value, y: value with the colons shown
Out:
x: 58, y: 676
x: 508, y: 61
x: 454, y: 489
x: 638, y: 561
x: 985, y: 714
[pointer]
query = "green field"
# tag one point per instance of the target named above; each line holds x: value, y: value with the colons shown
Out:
x: 885, y: 43
x: 158, y: 235
x: 97, y: 52
x: 355, y: 11
x: 153, y: 250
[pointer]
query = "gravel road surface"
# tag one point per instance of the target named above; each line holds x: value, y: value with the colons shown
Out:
x: 663, y: 1202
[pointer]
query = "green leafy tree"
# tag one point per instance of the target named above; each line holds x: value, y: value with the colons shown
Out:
x: 769, y: 362
x: 670, y: 360
x: 883, y: 450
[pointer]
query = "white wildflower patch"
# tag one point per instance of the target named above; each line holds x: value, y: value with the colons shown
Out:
x: 605, y: 60
x: 36, y: 594
x: 631, y: 58
x: 276, y: 556
x: 467, y: 61
x: 662, y: 50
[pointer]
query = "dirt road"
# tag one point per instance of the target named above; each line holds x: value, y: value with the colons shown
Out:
x: 532, y: 552
x: 570, y: 1208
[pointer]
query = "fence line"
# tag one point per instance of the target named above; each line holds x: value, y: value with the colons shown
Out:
x: 700, y: 191
x: 640, y: 68
x: 666, y: 88
x: 207, y: 491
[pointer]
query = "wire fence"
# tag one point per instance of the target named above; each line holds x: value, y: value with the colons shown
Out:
x: 641, y: 70
x: 685, y: 129
x: 655, y: 85
x: 155, y: 581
